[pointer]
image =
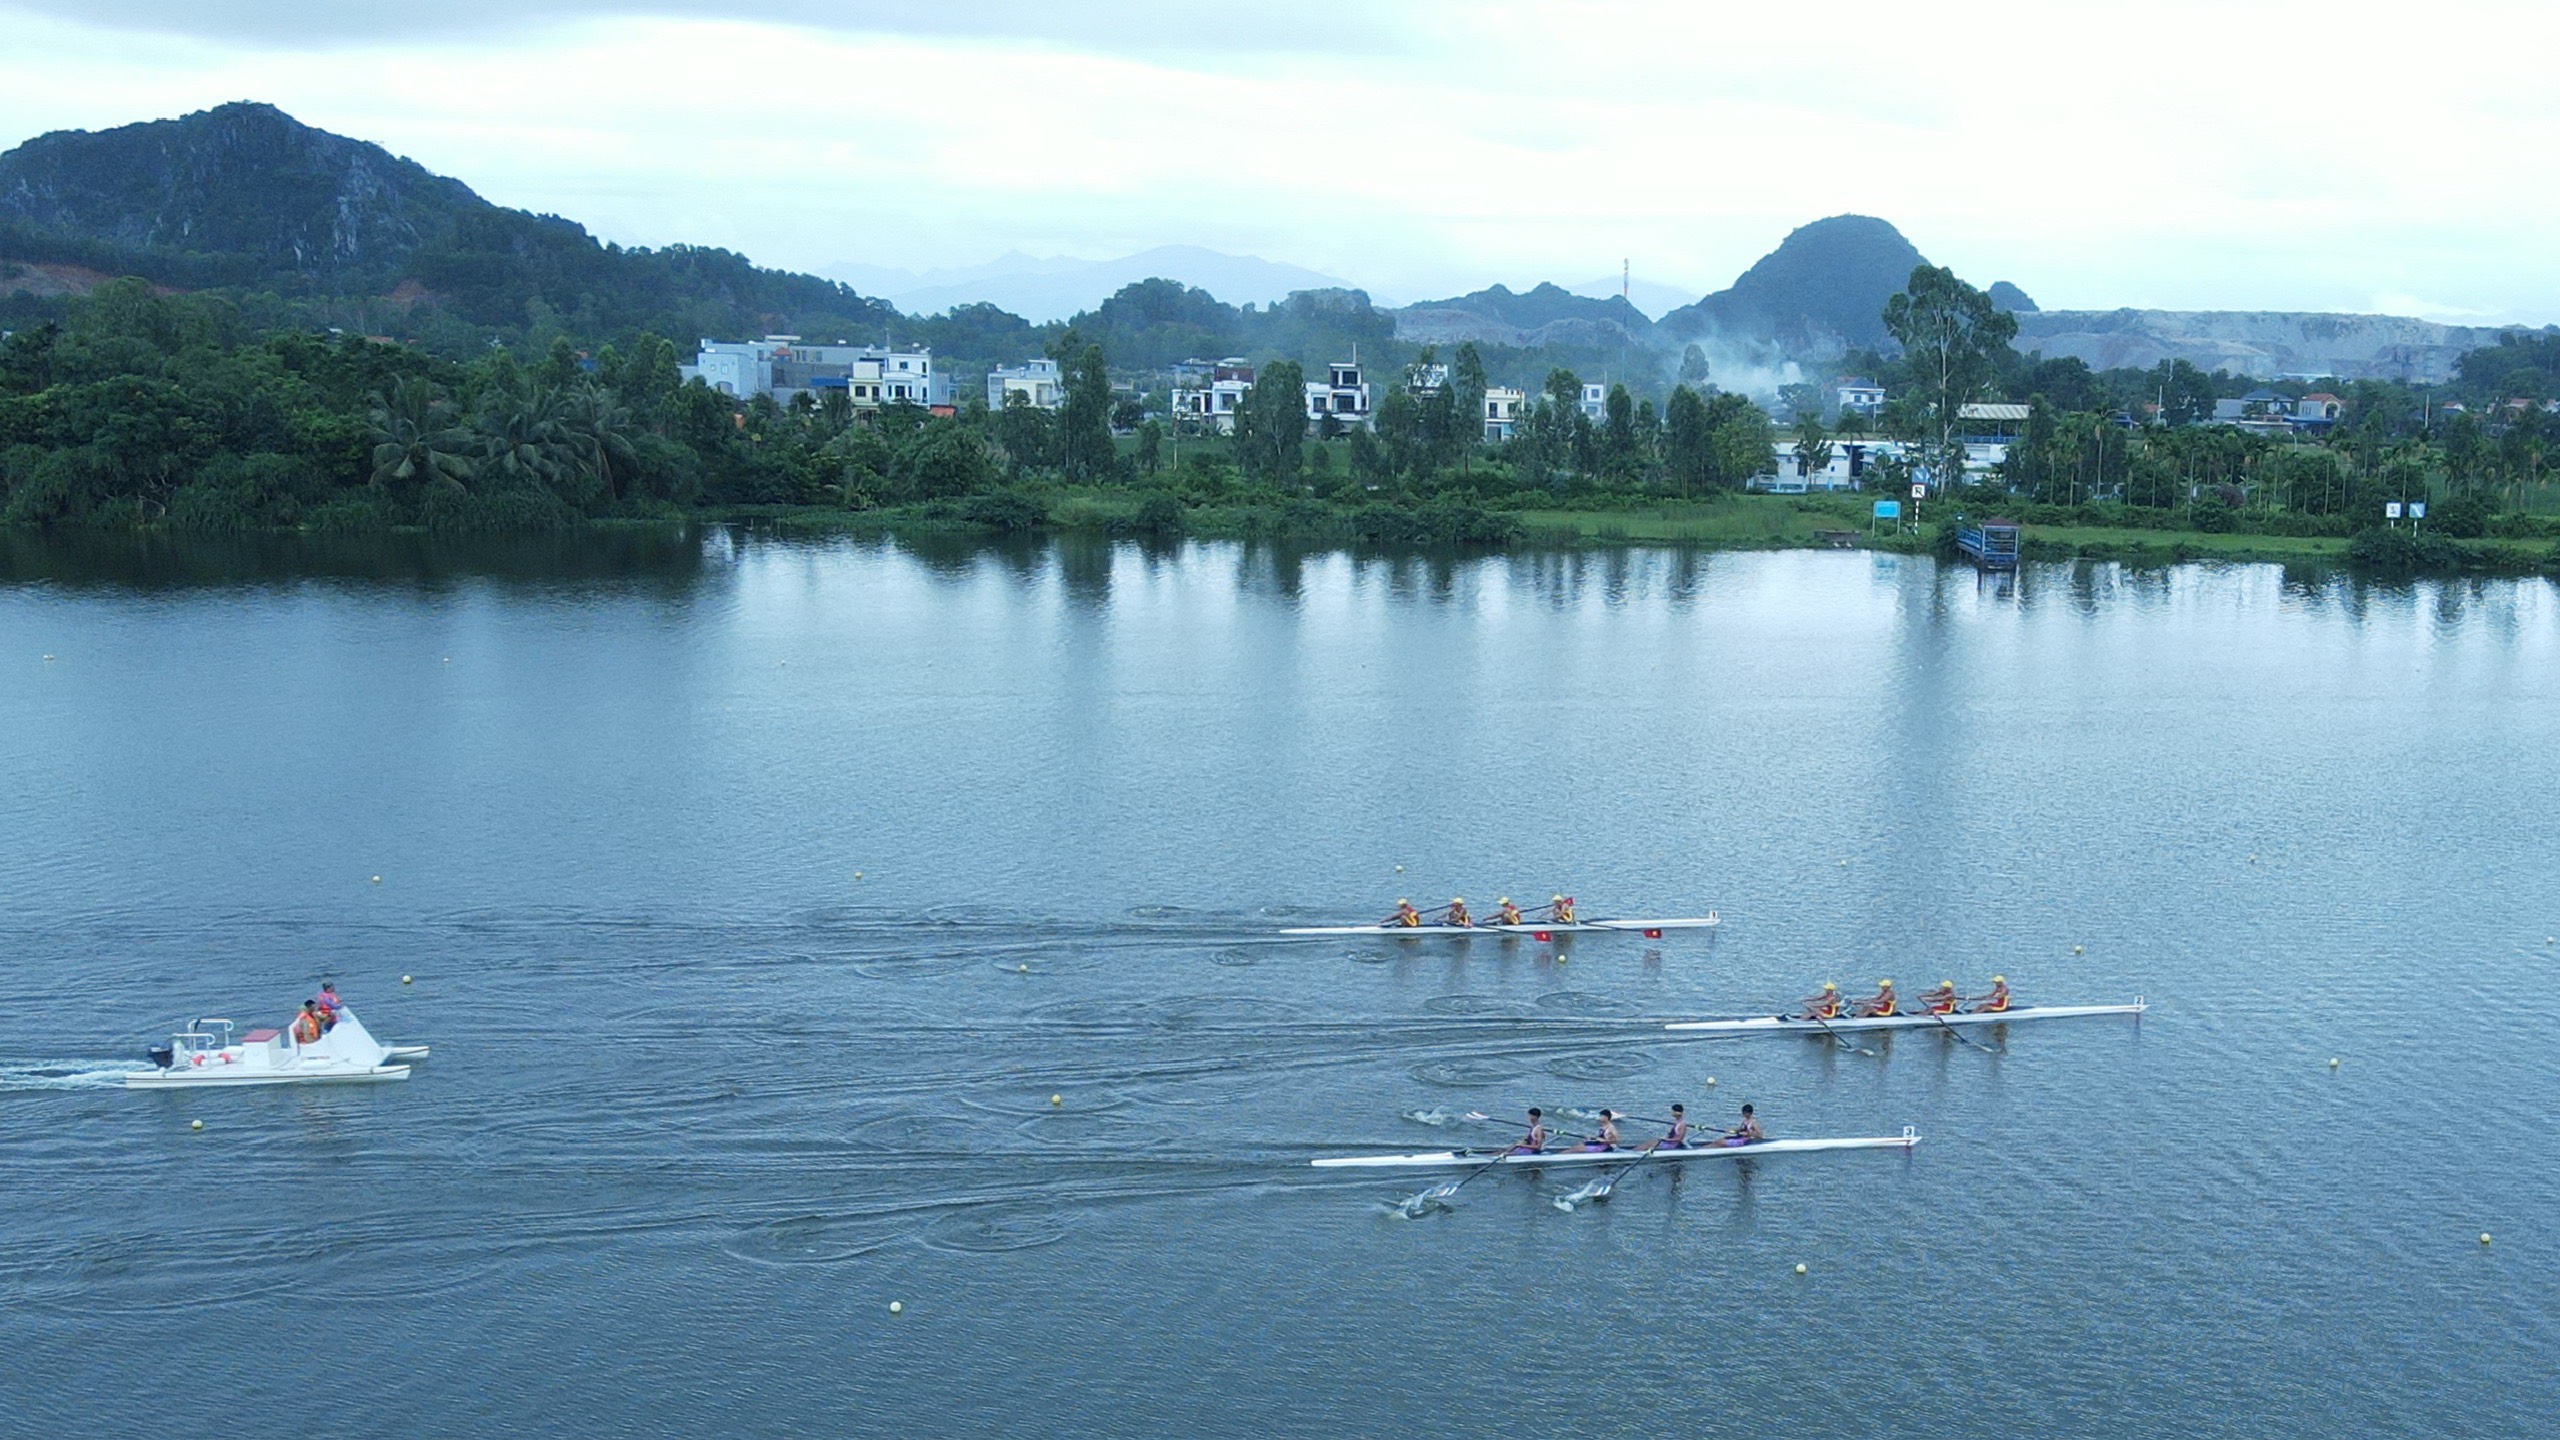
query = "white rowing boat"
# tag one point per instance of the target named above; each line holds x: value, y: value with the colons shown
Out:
x: 1709, y: 1150
x: 1790, y: 1025
x: 1650, y: 928
x: 203, y: 1053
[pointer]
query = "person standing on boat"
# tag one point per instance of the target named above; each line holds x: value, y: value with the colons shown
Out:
x: 1825, y: 1006
x: 1458, y: 912
x: 1748, y: 1131
x: 1995, y: 1002
x: 1535, y: 1142
x: 1677, y: 1137
x: 1405, y: 914
x: 1510, y: 912
x: 1606, y: 1137
x: 330, y: 1005
x: 1941, y: 1001
x: 306, y: 1026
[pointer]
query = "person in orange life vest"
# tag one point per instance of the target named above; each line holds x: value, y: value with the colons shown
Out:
x: 306, y: 1026
x: 1878, y: 1004
x: 1825, y: 1006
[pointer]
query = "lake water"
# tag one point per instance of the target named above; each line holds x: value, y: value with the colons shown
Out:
x: 759, y: 896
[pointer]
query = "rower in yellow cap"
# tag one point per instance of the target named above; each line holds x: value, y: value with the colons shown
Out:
x: 1877, y: 1005
x: 1510, y: 913
x: 1941, y: 1001
x: 1562, y: 907
x: 1405, y: 914
x: 1825, y: 1006
x: 1457, y: 914
x: 1996, y: 1001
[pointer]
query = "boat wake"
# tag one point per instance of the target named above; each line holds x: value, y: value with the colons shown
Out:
x: 61, y: 1075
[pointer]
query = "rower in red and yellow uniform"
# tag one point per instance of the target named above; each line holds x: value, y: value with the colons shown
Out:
x: 1562, y: 905
x: 1825, y: 1006
x: 1879, y: 1004
x: 1510, y: 913
x: 1405, y: 914
x: 1941, y: 1001
x: 1995, y: 1002
x: 1457, y: 914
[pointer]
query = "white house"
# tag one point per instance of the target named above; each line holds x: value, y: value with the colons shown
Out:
x: 1595, y: 401
x: 1342, y: 397
x: 785, y: 366
x: 1504, y: 407
x: 1861, y: 396
x: 1210, y: 400
x: 1039, y: 382
x: 1851, y: 467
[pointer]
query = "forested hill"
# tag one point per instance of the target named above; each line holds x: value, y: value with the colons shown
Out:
x: 245, y: 198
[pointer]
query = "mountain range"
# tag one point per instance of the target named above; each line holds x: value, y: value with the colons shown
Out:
x: 245, y: 198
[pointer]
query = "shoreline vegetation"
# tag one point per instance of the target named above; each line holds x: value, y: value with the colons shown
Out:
x: 145, y: 410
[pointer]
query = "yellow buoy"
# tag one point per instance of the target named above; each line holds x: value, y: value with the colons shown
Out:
x: 377, y: 879
x: 897, y: 1307
x: 2484, y: 1235
x: 857, y: 874
x: 1711, y: 1079
x: 1056, y: 1101
x: 2079, y: 950
x: 48, y: 659
x: 404, y: 979
x: 2333, y: 1062
x: 198, y: 1125
x: 1021, y: 969
x: 1399, y: 869
x: 1799, y: 1267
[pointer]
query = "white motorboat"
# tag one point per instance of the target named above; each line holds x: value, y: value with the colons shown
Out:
x: 206, y: 1052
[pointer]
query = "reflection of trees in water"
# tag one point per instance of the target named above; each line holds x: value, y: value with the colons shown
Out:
x: 664, y: 559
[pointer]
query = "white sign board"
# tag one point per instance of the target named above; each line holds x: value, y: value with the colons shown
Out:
x: 1919, y: 491
x: 2391, y: 511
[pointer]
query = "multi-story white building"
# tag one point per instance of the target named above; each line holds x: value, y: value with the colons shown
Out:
x: 1595, y: 401
x: 1504, y: 408
x: 1342, y: 397
x: 1209, y: 399
x: 785, y: 367
x: 1039, y: 382
x: 1861, y: 396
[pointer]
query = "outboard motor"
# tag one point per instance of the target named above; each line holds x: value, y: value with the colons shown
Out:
x: 163, y: 1056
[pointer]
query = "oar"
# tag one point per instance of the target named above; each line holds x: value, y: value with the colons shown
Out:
x: 1611, y: 1183
x: 1950, y: 1029
x: 1836, y: 1037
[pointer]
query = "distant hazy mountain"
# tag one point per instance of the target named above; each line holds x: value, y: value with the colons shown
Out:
x: 1544, y: 315
x: 2259, y: 343
x: 1823, y: 288
x: 1652, y: 297
x: 1042, y: 288
x: 2008, y: 296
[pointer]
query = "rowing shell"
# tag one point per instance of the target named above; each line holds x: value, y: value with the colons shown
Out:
x: 1451, y: 1159
x: 1790, y: 1025
x: 1417, y: 932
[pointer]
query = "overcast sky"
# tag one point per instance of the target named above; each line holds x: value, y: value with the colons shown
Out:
x: 2228, y: 155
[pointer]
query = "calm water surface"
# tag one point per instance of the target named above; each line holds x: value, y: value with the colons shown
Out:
x: 760, y: 895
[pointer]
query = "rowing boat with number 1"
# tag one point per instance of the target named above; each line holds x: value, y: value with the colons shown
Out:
x: 1794, y: 1025
x: 1651, y: 929
x: 1709, y: 1150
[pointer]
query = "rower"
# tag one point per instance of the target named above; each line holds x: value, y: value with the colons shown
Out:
x: 1535, y: 1142
x: 1748, y: 1132
x: 1405, y: 914
x: 1677, y: 1137
x: 1825, y: 1006
x: 1457, y: 912
x: 1997, y: 1001
x: 1941, y: 1001
x: 1877, y: 1005
x: 1606, y: 1137
x: 1562, y: 906
x: 1510, y: 912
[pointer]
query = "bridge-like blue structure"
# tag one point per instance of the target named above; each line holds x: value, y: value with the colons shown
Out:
x: 1989, y: 544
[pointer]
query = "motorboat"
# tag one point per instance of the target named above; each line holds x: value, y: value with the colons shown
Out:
x: 207, y: 1051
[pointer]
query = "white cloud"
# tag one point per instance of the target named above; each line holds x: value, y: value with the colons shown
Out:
x: 2198, y: 156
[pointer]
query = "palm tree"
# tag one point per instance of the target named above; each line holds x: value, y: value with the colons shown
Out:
x: 521, y: 439
x: 594, y: 427
x: 416, y: 444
